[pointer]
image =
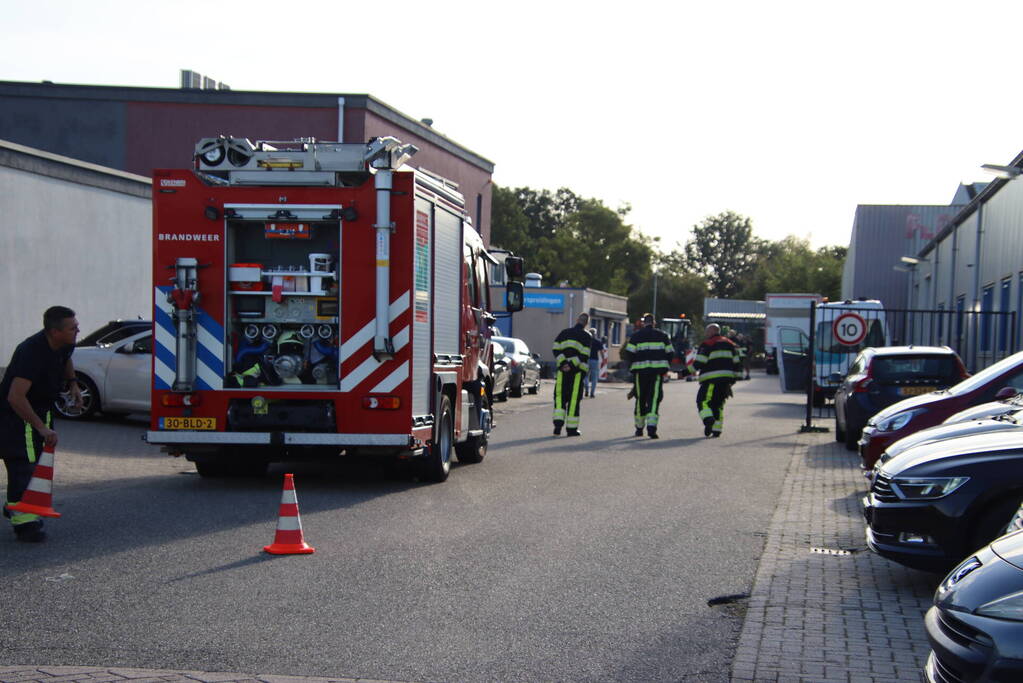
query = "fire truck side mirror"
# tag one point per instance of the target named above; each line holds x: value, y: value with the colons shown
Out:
x: 515, y: 267
x: 514, y: 296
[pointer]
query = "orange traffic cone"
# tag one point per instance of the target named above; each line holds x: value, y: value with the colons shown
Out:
x: 288, y: 540
x: 38, y: 497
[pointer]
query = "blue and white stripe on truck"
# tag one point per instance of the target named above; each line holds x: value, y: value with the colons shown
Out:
x: 210, y: 347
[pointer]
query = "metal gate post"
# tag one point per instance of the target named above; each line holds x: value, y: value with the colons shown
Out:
x: 811, y: 372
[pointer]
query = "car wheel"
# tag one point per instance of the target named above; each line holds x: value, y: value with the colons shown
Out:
x: 839, y: 432
x: 437, y: 465
x: 992, y: 522
x: 90, y: 400
x: 852, y: 437
x: 473, y: 450
x: 535, y: 389
x: 503, y: 396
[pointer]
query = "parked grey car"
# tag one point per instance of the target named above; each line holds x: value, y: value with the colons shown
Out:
x: 524, y: 366
x: 113, y: 367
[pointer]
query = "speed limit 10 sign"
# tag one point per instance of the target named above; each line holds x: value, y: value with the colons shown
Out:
x: 849, y: 329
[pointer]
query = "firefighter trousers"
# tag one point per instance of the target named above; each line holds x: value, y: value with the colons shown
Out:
x: 21, y: 446
x: 710, y: 401
x: 648, y: 387
x: 568, y: 390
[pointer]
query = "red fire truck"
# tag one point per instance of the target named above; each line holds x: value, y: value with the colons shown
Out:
x: 316, y: 299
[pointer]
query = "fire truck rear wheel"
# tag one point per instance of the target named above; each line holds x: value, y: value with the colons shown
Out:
x: 216, y: 466
x: 473, y: 450
x: 437, y: 464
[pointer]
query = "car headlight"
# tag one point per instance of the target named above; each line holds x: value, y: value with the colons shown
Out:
x: 926, y: 488
x: 897, y: 421
x: 1008, y: 607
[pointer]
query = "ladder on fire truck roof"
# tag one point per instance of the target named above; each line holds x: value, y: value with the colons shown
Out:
x: 238, y: 161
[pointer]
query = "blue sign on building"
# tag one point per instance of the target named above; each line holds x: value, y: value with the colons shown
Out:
x: 544, y: 300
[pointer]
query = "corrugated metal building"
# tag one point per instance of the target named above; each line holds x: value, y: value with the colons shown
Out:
x: 743, y: 315
x: 974, y: 265
x: 881, y: 235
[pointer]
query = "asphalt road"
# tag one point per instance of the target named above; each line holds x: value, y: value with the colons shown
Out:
x: 569, y: 559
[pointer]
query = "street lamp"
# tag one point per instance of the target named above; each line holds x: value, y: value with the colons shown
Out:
x: 1007, y: 172
x: 654, y: 307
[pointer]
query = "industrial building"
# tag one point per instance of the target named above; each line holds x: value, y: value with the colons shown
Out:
x: 72, y: 234
x: 549, y: 310
x: 75, y: 168
x: 972, y: 270
x: 881, y: 235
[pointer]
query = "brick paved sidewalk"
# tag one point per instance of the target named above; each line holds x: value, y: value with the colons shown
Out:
x: 838, y: 613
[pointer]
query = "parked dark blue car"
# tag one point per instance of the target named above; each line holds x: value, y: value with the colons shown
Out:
x: 883, y: 375
x: 976, y: 624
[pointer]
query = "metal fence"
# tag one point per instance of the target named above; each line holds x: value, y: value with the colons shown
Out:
x: 838, y: 334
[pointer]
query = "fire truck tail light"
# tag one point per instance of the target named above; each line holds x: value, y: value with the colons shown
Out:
x: 182, y: 399
x: 381, y: 402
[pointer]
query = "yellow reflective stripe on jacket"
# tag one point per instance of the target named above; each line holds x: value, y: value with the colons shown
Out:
x: 722, y: 354
x: 30, y: 443
x: 717, y: 374
x: 649, y: 365
x: 572, y: 344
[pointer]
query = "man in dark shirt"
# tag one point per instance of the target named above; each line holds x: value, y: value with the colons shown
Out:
x: 38, y: 371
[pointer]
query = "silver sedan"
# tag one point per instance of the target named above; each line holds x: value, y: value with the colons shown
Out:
x: 113, y: 368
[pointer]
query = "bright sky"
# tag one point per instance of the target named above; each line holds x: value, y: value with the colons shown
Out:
x: 788, y: 112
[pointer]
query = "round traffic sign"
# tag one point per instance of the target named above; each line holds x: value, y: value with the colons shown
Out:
x: 849, y: 329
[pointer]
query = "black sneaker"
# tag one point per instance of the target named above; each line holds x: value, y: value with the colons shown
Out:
x: 573, y: 432
x: 652, y: 433
x: 557, y: 431
x: 708, y: 429
x: 30, y: 532
x: 715, y: 434
x: 639, y: 431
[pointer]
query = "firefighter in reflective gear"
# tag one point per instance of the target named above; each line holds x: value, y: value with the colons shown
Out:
x: 40, y: 367
x: 649, y: 354
x: 571, y: 354
x: 718, y: 364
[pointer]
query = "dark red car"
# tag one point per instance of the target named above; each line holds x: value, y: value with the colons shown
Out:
x: 1001, y: 380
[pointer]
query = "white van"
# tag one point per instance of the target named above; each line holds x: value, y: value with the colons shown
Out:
x: 843, y: 329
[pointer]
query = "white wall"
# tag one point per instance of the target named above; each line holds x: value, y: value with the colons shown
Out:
x: 73, y: 245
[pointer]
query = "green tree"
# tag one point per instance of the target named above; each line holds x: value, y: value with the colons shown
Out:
x: 678, y: 292
x: 567, y: 238
x: 791, y: 265
x: 724, y: 251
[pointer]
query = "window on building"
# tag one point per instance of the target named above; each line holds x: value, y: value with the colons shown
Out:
x: 614, y: 333
x: 987, y: 304
x: 1004, y: 316
x: 960, y: 308
x: 1019, y: 306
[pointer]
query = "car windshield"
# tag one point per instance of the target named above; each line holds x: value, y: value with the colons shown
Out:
x: 987, y: 374
x: 114, y: 332
x: 507, y: 344
x: 903, y: 368
x: 520, y: 347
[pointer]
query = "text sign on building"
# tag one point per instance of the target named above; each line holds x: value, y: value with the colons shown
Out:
x: 554, y: 302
